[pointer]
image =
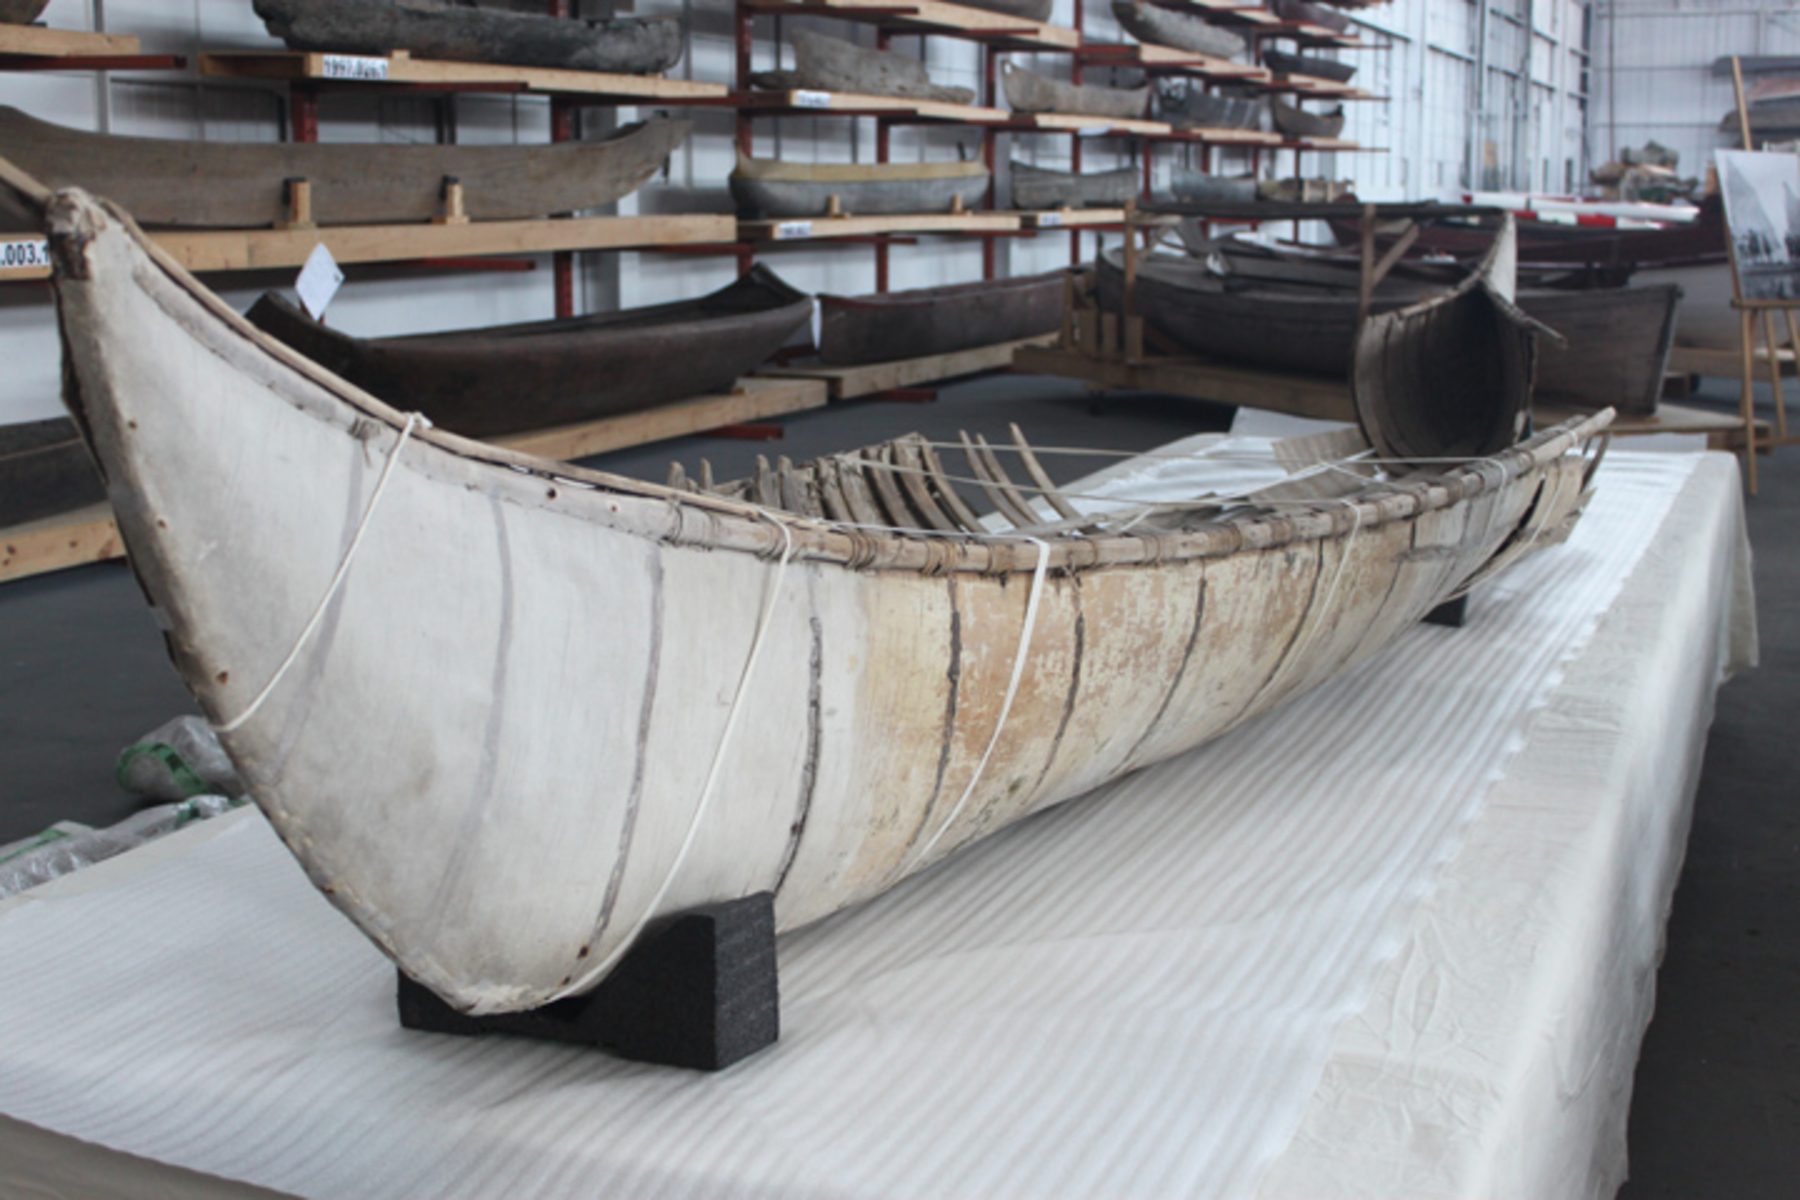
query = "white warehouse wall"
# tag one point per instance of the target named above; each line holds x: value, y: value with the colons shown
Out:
x: 1440, y: 49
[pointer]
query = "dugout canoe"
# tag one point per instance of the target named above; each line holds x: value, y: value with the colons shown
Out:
x: 829, y: 64
x: 1295, y: 121
x: 170, y: 182
x: 22, y: 12
x: 1180, y: 31
x: 1311, y: 65
x: 1313, y: 14
x: 1452, y: 365
x: 1029, y: 92
x: 543, y: 706
x: 1188, y: 106
x: 464, y: 33
x: 1208, y: 188
x: 45, y: 469
x: 1030, y: 10
x: 887, y: 326
x: 1041, y: 187
x: 767, y: 187
x: 509, y: 378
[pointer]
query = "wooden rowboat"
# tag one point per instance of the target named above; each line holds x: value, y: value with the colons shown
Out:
x: 766, y: 187
x: 1181, y: 31
x: 831, y: 64
x: 1309, y: 64
x: 508, y: 378
x: 508, y: 712
x: 163, y: 181
x: 937, y: 320
x: 1029, y: 92
x: 45, y: 469
x: 1295, y: 121
x: 1041, y: 187
x: 22, y: 12
x: 464, y: 33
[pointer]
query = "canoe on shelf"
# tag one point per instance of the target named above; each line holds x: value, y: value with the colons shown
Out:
x: 1614, y: 342
x: 1186, y: 105
x: 937, y: 320
x: 1159, y: 26
x: 766, y: 187
x: 510, y: 378
x: 22, y: 12
x: 170, y: 182
x: 1312, y: 65
x: 551, y: 705
x: 1030, y: 10
x: 1295, y: 121
x: 1453, y: 364
x: 1313, y: 14
x: 1029, y: 92
x: 1208, y: 188
x: 45, y: 469
x: 1041, y: 187
x: 464, y: 33
x: 829, y: 64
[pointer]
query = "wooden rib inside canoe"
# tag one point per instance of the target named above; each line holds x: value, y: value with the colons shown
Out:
x: 528, y: 708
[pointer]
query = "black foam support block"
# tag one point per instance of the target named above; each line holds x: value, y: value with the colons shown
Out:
x: 698, y: 991
x: 1454, y: 613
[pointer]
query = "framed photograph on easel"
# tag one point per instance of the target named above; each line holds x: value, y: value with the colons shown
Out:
x: 1761, y: 190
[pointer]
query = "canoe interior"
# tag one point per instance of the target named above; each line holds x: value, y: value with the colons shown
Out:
x: 541, y: 374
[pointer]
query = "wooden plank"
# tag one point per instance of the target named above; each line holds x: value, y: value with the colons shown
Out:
x: 1090, y: 125
x: 1072, y: 218
x: 69, y: 539
x: 1225, y: 137
x: 1726, y: 364
x: 935, y: 110
x: 952, y: 18
x: 803, y: 228
x: 753, y: 399
x: 1297, y: 395
x: 260, y: 249
x: 35, y: 41
x: 401, y: 67
x: 866, y: 379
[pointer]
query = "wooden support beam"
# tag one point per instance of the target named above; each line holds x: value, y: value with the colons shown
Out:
x: 868, y: 379
x: 71, y: 539
x: 752, y: 400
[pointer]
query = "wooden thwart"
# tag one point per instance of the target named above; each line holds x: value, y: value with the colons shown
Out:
x: 35, y: 41
x: 71, y: 539
x: 848, y: 383
x: 752, y: 399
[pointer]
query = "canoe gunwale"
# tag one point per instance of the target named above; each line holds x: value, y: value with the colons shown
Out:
x: 673, y: 516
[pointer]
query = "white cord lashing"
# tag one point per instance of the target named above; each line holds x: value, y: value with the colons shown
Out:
x: 413, y: 421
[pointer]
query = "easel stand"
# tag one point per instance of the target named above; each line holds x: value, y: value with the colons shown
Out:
x: 700, y: 992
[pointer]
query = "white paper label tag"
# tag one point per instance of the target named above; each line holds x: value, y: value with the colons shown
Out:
x: 792, y: 229
x: 1049, y: 220
x: 24, y: 254
x: 319, y: 281
x: 355, y: 66
x: 812, y: 99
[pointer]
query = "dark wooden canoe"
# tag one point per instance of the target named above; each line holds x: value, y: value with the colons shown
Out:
x: 1700, y: 241
x: 164, y: 181
x: 1186, y: 105
x: 22, y: 12
x: 937, y: 320
x: 829, y: 64
x: 508, y: 378
x: 765, y: 187
x: 462, y: 33
x: 1182, y: 31
x: 1297, y: 122
x: 1312, y: 14
x: 1446, y: 373
x: 1308, y: 64
x: 45, y: 469
x: 1030, y: 10
x: 1040, y: 187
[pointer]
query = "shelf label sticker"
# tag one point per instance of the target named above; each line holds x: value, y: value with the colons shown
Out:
x: 24, y: 254
x: 1049, y: 220
x: 355, y: 66
x: 792, y: 229
x: 805, y: 99
x: 319, y: 281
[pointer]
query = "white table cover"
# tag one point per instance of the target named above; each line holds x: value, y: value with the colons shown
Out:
x: 1396, y: 938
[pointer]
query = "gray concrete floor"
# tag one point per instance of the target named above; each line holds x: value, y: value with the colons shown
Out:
x: 1717, y: 1105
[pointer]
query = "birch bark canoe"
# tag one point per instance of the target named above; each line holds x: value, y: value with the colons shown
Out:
x: 22, y: 12
x: 498, y: 752
x: 219, y: 185
x: 1041, y: 187
x: 765, y: 187
x: 461, y: 33
x: 829, y: 64
x: 508, y: 378
x: 1283, y: 63
x: 937, y: 320
x: 1181, y: 31
x: 1295, y: 121
x: 1029, y: 92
